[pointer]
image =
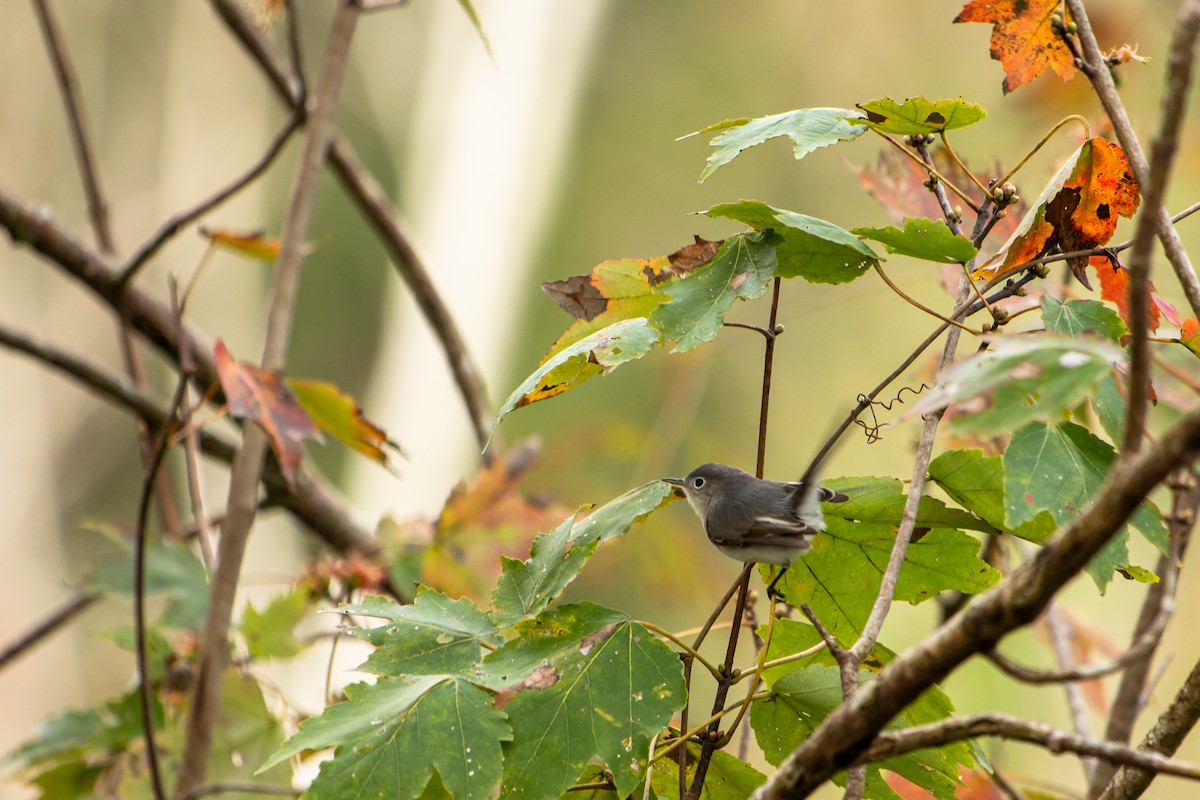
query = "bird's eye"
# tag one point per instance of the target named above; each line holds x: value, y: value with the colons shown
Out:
x: 698, y: 483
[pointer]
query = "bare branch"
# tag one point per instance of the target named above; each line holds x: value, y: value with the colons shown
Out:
x: 68, y: 86
x: 1059, y: 636
x: 889, y: 745
x: 173, y: 225
x: 49, y: 624
x: 242, y: 504
x: 1168, y: 733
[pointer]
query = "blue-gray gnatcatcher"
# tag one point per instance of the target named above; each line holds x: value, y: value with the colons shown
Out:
x: 751, y: 519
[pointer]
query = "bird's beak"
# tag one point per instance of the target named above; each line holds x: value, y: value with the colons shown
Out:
x: 673, y: 481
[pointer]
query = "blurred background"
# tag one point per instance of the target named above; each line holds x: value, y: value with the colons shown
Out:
x: 536, y: 162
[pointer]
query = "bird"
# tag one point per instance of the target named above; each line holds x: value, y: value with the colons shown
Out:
x: 751, y: 519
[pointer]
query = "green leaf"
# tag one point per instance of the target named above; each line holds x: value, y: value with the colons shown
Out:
x: 800, y: 701
x: 917, y: 115
x: 811, y: 248
x: 1110, y: 406
x: 1032, y: 377
x: 434, y: 635
x: 881, y: 499
x: 808, y: 128
x: 68, y: 781
x: 271, y: 633
x: 728, y: 777
x: 171, y: 569
x: 1058, y: 469
x: 468, y: 8
x: 337, y: 413
x: 931, y: 240
x: 606, y: 686
x: 555, y: 559
x: 1081, y: 317
x: 741, y: 269
x: 606, y: 348
x: 84, y: 733
x: 391, y: 735
x: 840, y: 576
x: 976, y: 483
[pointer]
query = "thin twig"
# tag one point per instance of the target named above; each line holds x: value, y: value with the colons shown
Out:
x: 242, y: 504
x: 173, y: 225
x: 889, y: 745
x: 1059, y: 637
x: 68, y: 86
x: 51, y: 623
x: 145, y: 690
x: 242, y: 788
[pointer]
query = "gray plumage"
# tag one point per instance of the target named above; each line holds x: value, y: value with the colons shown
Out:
x: 751, y: 519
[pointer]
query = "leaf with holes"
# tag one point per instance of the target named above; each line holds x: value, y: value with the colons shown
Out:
x: 1077, y: 210
x: 624, y: 289
x: 917, y: 116
x: 1023, y: 40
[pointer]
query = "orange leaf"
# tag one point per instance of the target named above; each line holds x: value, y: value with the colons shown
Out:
x: 1022, y: 39
x: 1114, y: 287
x: 260, y: 396
x: 1189, y: 335
x: 1077, y: 210
x: 253, y: 244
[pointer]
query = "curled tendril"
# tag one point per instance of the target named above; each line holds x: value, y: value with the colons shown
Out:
x: 872, y: 428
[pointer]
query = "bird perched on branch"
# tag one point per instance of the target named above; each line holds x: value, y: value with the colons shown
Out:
x: 751, y: 519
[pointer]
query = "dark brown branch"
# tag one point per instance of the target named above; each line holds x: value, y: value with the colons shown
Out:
x: 846, y: 732
x: 1168, y: 733
x: 377, y: 208
x: 241, y: 788
x: 173, y: 225
x: 310, y: 500
x: 49, y: 624
x: 158, y: 451
x: 68, y: 86
x: 1130, y: 695
x: 889, y: 745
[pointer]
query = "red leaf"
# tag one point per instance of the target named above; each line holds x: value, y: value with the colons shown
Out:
x: 1189, y: 335
x: 260, y: 396
x: 1114, y: 287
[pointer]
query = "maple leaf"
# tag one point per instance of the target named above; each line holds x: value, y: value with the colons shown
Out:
x: 260, y: 395
x: 1023, y: 40
x: 1077, y: 210
x: 621, y: 289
